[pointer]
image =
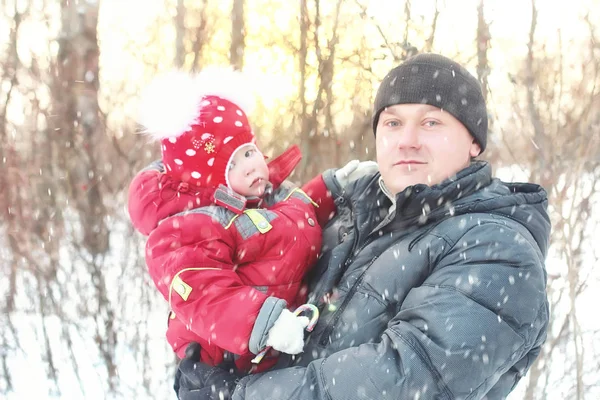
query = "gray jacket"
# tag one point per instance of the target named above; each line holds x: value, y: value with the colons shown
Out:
x: 443, y: 298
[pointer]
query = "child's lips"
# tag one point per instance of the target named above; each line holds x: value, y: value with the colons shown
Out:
x: 254, y: 182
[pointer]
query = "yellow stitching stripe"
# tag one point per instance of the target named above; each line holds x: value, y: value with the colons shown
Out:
x: 301, y: 192
x: 231, y: 222
x: 261, y: 223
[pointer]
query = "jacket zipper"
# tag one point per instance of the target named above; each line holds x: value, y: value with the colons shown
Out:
x: 336, y: 316
x: 327, y: 332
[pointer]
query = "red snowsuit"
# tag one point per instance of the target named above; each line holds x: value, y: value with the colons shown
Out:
x: 228, y: 276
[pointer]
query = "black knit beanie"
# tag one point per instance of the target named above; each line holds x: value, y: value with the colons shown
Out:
x: 438, y: 81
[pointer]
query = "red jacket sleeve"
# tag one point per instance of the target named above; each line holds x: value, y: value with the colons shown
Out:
x: 190, y: 260
x: 153, y: 196
x: 317, y: 190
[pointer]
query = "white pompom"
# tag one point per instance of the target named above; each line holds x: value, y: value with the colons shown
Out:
x: 169, y: 105
x: 228, y: 84
x: 172, y: 102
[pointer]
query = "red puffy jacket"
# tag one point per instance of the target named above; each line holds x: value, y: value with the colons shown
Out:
x: 227, y: 276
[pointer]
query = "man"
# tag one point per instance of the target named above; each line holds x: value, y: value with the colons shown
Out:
x: 435, y: 287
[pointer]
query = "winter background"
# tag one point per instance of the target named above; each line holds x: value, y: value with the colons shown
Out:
x: 80, y: 317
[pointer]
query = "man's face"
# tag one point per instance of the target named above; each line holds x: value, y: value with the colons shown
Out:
x: 248, y: 172
x: 419, y: 143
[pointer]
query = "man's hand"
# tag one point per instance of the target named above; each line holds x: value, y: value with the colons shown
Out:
x: 353, y: 170
x: 198, y: 381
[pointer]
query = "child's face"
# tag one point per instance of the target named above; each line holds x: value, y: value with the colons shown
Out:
x: 248, y: 172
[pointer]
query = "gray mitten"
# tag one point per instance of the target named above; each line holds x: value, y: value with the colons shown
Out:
x: 354, y: 170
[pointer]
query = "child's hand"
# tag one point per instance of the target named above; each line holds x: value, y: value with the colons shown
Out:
x: 287, y: 334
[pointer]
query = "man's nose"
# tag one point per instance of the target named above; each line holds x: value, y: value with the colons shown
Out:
x: 409, y: 137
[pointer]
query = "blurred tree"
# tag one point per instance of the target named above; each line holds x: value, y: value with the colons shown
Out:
x: 77, y: 128
x: 68, y: 277
x: 555, y: 138
x: 74, y: 267
x: 180, y: 34
x: 238, y: 35
x: 317, y: 138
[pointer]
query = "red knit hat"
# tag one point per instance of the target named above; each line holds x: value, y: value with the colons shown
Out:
x: 200, y: 121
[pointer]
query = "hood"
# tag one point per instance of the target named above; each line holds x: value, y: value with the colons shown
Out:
x: 473, y: 189
x: 526, y: 203
x: 154, y: 196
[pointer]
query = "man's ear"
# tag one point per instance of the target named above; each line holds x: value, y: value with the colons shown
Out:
x: 475, y: 149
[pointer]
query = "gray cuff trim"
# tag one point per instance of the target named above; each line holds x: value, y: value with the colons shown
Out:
x: 156, y: 165
x: 332, y: 183
x: 268, y: 314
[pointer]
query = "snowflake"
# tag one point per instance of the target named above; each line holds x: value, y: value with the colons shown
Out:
x: 209, y: 147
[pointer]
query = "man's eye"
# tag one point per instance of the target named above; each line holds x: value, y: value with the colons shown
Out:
x: 431, y: 123
x: 392, y: 123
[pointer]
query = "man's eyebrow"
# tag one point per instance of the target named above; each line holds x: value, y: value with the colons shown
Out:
x: 390, y: 111
x: 428, y: 110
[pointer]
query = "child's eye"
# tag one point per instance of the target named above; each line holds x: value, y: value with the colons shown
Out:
x: 249, y: 153
x: 231, y: 166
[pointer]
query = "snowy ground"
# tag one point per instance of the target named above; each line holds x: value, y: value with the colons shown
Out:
x: 152, y: 378
x: 31, y: 379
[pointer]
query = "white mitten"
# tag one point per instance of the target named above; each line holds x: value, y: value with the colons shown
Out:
x: 287, y: 334
x: 354, y: 170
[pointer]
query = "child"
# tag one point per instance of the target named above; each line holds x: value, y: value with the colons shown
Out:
x: 229, y: 240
